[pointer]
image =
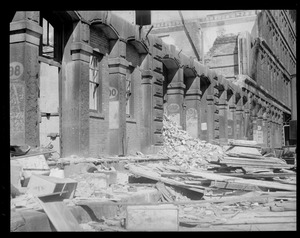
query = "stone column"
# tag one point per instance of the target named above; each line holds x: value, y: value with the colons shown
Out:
x: 175, y: 98
x: 192, y: 100
x: 146, y: 110
x: 210, y: 126
x: 281, y: 142
x: 259, y: 129
x: 254, y: 110
x: 75, y: 94
x: 238, y: 117
x: 231, y: 117
x: 117, y: 106
x: 265, y: 126
x: 247, y: 122
x: 25, y: 33
x: 271, y: 127
x: 223, y: 119
x: 206, y: 99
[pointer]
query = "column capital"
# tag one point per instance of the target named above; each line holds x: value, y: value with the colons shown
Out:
x: 25, y: 31
x: 81, y: 51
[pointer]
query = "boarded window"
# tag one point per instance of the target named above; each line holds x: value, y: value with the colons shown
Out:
x: 94, y: 83
x: 129, y: 93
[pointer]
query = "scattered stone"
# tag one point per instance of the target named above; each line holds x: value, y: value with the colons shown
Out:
x: 186, y: 151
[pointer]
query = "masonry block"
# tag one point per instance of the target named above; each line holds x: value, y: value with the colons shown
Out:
x: 152, y: 218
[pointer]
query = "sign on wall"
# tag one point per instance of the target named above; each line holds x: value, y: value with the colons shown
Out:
x: 16, y: 70
x: 114, y: 115
x: 173, y: 107
x: 192, y: 122
x: 113, y: 92
x: 204, y: 126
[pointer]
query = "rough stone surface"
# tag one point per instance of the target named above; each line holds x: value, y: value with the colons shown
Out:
x: 185, y: 150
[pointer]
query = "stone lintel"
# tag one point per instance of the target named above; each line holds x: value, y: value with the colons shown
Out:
x: 26, y: 25
x: 175, y: 85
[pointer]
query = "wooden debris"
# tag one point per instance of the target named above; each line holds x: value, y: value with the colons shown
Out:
x: 58, y: 213
x: 264, y: 184
x: 166, y: 195
x: 142, y: 171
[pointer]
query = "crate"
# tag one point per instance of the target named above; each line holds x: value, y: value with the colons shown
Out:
x: 43, y: 185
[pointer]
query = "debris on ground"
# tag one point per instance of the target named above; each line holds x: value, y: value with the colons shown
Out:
x: 237, y: 187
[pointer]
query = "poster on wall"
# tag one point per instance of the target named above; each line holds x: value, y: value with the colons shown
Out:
x: 192, y: 122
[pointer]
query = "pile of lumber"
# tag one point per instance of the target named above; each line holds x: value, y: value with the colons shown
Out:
x: 247, y: 155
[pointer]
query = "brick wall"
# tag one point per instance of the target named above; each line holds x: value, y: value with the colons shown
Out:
x: 223, y: 56
x: 99, y: 122
x: 99, y: 40
x: 132, y: 55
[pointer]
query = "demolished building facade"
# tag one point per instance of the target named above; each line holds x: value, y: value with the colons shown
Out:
x: 93, y: 84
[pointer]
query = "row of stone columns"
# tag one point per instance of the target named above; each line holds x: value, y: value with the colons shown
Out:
x: 222, y: 111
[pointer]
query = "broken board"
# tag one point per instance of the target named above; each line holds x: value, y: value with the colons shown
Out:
x: 58, y: 213
x: 42, y: 185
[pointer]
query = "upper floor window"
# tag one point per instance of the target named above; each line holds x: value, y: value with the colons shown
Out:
x: 48, y: 39
x: 51, y: 42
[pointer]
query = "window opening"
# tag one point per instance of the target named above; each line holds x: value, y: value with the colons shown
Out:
x: 129, y: 92
x: 47, y: 39
x: 94, y: 83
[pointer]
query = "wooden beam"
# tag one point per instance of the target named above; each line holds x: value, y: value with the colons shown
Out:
x: 265, y: 184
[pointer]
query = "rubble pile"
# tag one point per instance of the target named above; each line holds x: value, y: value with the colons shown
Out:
x: 209, y: 187
x: 186, y: 151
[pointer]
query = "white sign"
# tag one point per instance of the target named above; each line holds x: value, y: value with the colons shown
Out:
x: 204, y: 126
x: 113, y: 92
x: 175, y: 118
x: 173, y: 107
x: 259, y: 137
x: 16, y: 70
x: 229, y: 130
x: 114, y: 115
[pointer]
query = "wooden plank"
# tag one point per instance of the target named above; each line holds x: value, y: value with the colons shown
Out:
x: 265, y: 184
x: 244, y: 150
x: 270, y: 166
x: 233, y: 186
x: 263, y: 160
x: 259, y: 175
x: 33, y: 154
x: 58, y: 213
x: 152, y: 218
x: 167, y: 196
x: 250, y: 143
x: 141, y: 171
x: 245, y: 227
x: 261, y: 220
